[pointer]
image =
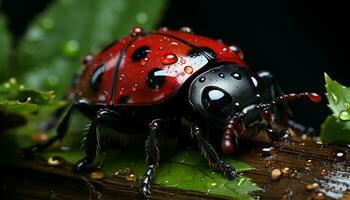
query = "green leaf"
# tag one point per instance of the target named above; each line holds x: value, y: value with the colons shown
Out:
x: 52, y: 48
x: 332, y: 131
x: 5, y: 47
x: 336, y: 128
x: 17, y: 103
x: 184, y: 169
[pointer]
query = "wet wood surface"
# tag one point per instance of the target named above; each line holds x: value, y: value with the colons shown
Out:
x: 301, y: 163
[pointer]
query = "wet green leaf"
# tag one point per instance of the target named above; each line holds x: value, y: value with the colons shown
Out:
x: 17, y: 103
x: 5, y: 46
x: 52, y: 48
x: 332, y: 131
x: 336, y: 128
x: 184, y: 169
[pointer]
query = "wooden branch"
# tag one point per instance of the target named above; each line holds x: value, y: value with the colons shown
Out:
x: 34, y: 179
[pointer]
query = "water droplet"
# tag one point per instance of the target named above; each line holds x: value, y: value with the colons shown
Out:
x: 47, y: 23
x: 183, y: 61
x: 188, y: 69
x: 304, y: 137
x: 174, y: 43
x: 144, y: 61
x: 344, y: 115
x: 314, y: 97
x: 347, y: 105
x: 221, y: 75
x: 55, y: 161
x: 202, y: 79
x: 163, y: 29
x: 135, y: 31
x: 160, y: 48
x: 268, y: 151
x: 169, y: 58
x: 213, y: 184
x: 318, y: 196
x: 142, y: 18
x: 323, y: 172
x: 308, y: 163
x: 131, y: 177
x: 339, y: 155
x: 285, y: 170
x: 186, y: 29
x: 275, y: 174
x: 98, y: 174
x: 134, y: 87
x: 70, y: 48
x: 87, y: 59
x: 224, y: 49
x: 235, y: 49
x: 311, y: 186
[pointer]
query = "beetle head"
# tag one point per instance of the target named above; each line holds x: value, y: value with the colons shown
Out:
x: 222, y: 91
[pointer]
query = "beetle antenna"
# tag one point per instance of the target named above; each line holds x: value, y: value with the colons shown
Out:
x: 266, y: 108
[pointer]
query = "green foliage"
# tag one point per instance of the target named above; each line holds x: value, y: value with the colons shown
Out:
x: 336, y: 128
x: 183, y: 170
x: 5, y: 46
x: 51, y: 50
x: 18, y: 104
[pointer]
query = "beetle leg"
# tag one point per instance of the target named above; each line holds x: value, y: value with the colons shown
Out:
x: 152, y: 158
x: 61, y: 131
x: 83, y: 106
x: 211, y: 156
x: 92, y: 141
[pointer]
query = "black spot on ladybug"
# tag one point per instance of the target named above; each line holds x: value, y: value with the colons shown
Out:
x: 206, y: 51
x: 140, y: 53
x: 123, y: 100
x: 155, y: 79
x: 96, y: 78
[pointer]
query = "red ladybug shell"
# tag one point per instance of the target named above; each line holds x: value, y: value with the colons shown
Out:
x: 147, y: 69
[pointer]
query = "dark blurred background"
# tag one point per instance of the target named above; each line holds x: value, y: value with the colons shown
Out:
x: 296, y: 40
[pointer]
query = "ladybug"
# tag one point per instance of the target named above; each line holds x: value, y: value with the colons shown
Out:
x: 150, y: 82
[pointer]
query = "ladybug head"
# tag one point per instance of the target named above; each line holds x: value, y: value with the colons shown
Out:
x: 223, y: 91
x: 230, y: 96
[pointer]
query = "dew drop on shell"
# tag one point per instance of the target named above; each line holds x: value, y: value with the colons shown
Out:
x: 169, y: 58
x: 135, y: 31
x: 188, y: 69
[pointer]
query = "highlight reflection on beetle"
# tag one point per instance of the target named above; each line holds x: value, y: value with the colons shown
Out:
x: 151, y: 81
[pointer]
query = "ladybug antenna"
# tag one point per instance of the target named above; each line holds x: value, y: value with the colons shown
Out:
x: 265, y: 109
x: 235, y: 127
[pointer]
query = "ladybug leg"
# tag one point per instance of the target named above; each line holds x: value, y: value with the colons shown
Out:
x: 152, y: 158
x: 211, y: 156
x: 92, y: 141
x: 61, y: 131
x: 283, y: 111
x: 62, y: 128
